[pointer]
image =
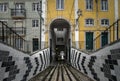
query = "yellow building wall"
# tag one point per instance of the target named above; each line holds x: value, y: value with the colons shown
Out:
x: 68, y: 13
x: 97, y: 14
x: 119, y: 8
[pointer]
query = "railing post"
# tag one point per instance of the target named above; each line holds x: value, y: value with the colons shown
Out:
x: 3, y: 37
x: 117, y: 30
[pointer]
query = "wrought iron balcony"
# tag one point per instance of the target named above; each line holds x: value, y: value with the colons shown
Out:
x: 18, y: 13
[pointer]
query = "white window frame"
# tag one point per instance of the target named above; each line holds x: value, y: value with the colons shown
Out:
x: 59, y: 5
x: 35, y: 6
x: 90, y: 5
x: 3, y: 7
x: 105, y: 6
x: 35, y: 23
x: 89, y: 23
x: 104, y: 24
x: 19, y: 6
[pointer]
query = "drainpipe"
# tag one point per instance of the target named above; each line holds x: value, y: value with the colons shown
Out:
x: 76, y: 28
x: 40, y: 14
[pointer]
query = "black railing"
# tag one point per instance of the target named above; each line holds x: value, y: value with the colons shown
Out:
x: 10, y: 37
x: 110, y: 35
x: 19, y: 30
x: 18, y: 12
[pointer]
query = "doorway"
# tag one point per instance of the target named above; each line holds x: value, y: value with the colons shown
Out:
x: 89, y: 40
x: 59, y: 39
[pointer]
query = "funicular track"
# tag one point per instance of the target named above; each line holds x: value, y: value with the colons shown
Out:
x: 61, y: 72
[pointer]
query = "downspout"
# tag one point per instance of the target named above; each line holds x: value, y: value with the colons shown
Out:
x: 77, y: 25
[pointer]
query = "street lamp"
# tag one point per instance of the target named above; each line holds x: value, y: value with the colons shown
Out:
x: 40, y: 14
x: 79, y: 13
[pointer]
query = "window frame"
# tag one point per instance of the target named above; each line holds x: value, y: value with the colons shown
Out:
x: 4, y: 7
x: 104, y: 22
x: 35, y: 23
x: 60, y: 6
x: 35, y: 6
x: 21, y: 6
x: 104, y: 8
x: 89, y: 22
x: 89, y: 5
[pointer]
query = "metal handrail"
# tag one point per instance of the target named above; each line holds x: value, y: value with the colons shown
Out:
x: 10, y: 37
x: 114, y: 34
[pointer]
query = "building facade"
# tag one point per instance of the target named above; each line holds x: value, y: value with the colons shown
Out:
x: 24, y: 16
x: 74, y: 22
x: 87, y: 18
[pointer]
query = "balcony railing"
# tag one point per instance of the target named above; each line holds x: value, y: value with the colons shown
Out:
x: 18, y: 13
x: 20, y: 30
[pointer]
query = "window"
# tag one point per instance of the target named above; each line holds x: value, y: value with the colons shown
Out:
x: 89, y: 4
x: 3, y: 7
x: 89, y: 22
x: 19, y: 43
x: 59, y: 4
x: 35, y: 44
x: 19, y: 6
x: 35, y: 23
x: 35, y: 6
x: 105, y: 22
x: 60, y: 39
x: 104, y: 5
x: 59, y: 29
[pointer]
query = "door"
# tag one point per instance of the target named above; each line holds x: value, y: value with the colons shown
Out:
x: 104, y: 39
x: 35, y: 44
x: 89, y: 40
